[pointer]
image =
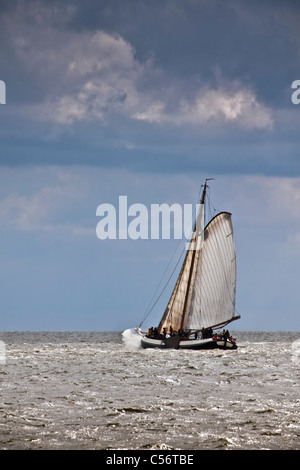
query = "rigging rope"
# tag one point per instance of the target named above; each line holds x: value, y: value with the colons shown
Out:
x: 163, y: 288
x: 184, y: 249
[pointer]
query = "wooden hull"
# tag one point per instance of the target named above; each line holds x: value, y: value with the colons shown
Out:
x: 175, y: 342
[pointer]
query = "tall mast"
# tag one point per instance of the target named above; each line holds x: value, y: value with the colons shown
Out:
x: 204, y: 192
x: 193, y: 260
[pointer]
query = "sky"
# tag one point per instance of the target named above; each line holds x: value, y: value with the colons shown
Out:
x: 145, y: 99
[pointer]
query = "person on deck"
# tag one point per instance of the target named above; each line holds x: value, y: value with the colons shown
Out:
x: 225, y: 336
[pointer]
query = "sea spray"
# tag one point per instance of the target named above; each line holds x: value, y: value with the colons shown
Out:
x: 132, y: 338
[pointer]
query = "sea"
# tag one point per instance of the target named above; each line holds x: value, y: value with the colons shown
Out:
x: 102, y: 391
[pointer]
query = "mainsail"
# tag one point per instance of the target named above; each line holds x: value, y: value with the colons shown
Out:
x: 204, y: 294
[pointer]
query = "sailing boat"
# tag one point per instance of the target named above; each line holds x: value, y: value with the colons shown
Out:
x: 203, y: 298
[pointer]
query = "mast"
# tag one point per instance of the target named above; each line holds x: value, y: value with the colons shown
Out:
x: 202, y: 202
x: 205, y: 290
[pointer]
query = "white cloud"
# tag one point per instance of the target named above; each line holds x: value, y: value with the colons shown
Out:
x: 66, y: 198
x: 213, y: 105
x: 265, y: 201
x: 154, y: 113
x: 44, y: 199
x: 283, y: 195
x: 239, y: 106
x: 31, y: 213
x: 266, y: 207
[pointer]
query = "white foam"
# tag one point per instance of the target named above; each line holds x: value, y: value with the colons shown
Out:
x: 132, y: 338
x: 295, y: 346
x: 2, y: 353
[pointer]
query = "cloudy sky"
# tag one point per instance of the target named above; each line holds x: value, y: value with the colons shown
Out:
x: 145, y: 99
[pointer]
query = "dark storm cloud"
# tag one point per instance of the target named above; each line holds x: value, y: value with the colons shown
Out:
x: 153, y: 86
x: 202, y: 39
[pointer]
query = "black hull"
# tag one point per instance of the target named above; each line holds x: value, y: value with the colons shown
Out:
x: 175, y: 342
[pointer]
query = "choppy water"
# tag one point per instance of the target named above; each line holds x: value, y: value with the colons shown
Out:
x: 93, y: 391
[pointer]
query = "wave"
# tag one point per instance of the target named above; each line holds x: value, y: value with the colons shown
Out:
x: 132, y: 338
